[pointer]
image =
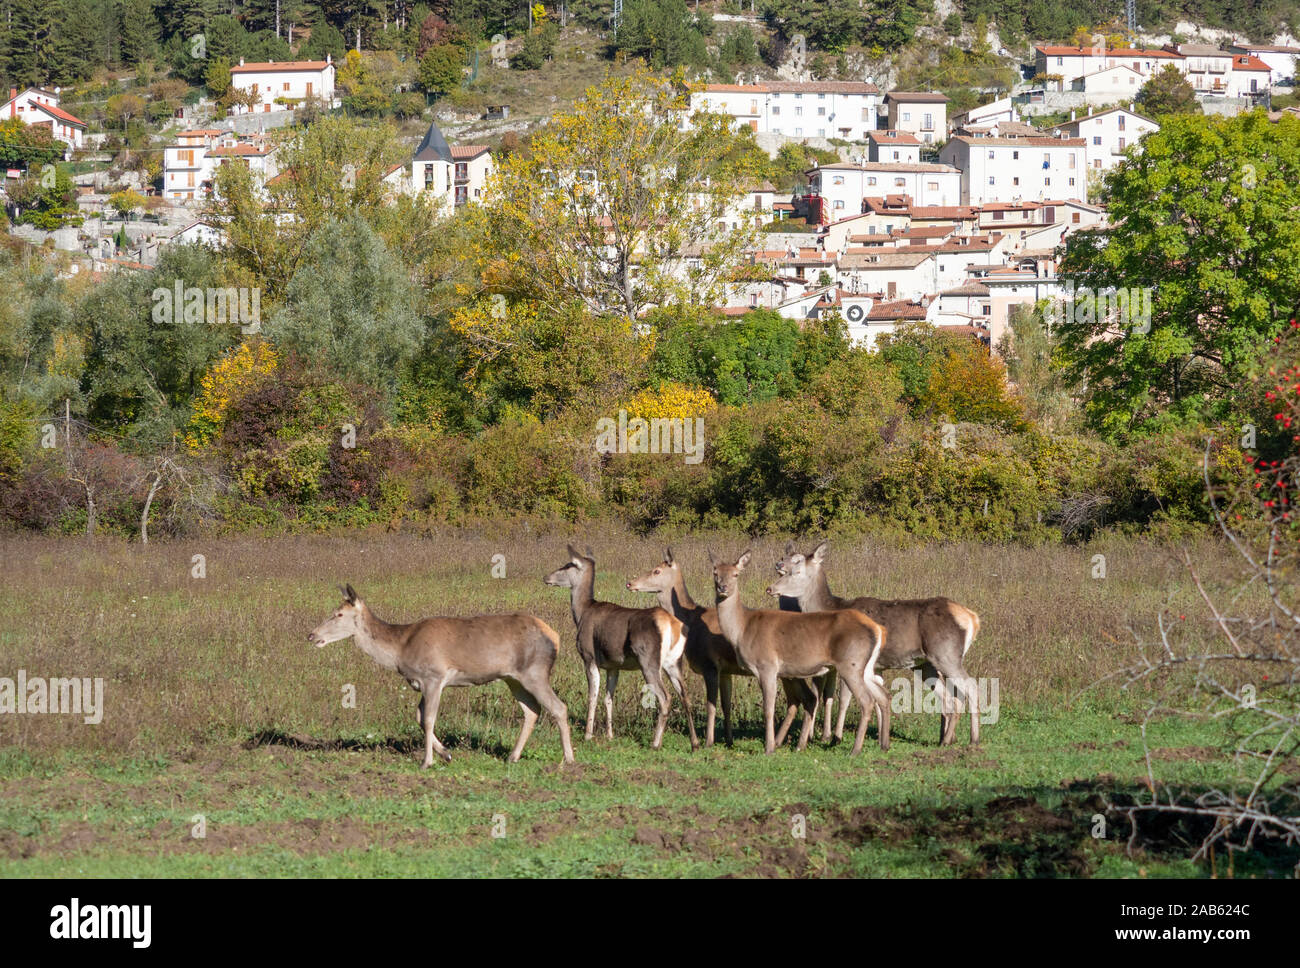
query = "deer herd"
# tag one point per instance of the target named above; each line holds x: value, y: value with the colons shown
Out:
x: 814, y: 641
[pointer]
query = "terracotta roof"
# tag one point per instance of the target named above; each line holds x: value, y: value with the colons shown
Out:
x: 1248, y: 62
x: 899, y: 309
x: 239, y: 150
x: 466, y: 152
x: 910, y: 167
x: 894, y: 137
x: 61, y: 114
x: 196, y: 132
x: 967, y: 289
x: 261, y: 68
x: 796, y: 87
x: 884, y: 260
x: 1043, y: 142
x: 1102, y: 114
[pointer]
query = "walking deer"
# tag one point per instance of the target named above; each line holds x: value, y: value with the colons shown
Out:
x: 936, y: 631
x: 710, y: 654
x: 802, y: 645
x: 435, y: 653
x: 617, y: 638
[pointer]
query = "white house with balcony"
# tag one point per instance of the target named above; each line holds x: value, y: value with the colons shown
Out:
x: 453, y: 175
x: 796, y: 109
x: 843, y: 187
x: 187, y: 169
x: 40, y: 108
x: 284, y: 84
x: 1018, y: 169
x: 1074, y: 62
x: 1108, y: 135
x: 922, y: 113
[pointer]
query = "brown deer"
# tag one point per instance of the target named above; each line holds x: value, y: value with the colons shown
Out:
x: 435, y: 653
x: 709, y: 653
x: 617, y: 638
x: 938, y: 632
x: 803, y: 645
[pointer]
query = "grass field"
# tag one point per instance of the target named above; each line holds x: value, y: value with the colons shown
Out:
x: 215, y: 707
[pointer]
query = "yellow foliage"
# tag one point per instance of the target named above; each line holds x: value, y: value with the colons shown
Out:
x: 671, y: 400
x: 222, y: 386
x: 68, y: 356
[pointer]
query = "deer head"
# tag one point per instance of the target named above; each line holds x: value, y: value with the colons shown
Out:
x: 570, y: 574
x: 798, y: 572
x: 343, y: 624
x: 660, y: 578
x: 726, y: 577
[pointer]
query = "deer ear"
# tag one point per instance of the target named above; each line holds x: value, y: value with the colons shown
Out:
x: 820, y: 552
x: 789, y: 547
x: 574, y: 553
x: 668, y: 556
x: 712, y: 559
x: 742, y: 561
x: 591, y: 554
x: 351, y: 595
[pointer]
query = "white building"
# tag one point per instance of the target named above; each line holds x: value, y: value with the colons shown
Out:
x: 452, y: 175
x: 844, y: 186
x: 40, y: 108
x: 1120, y: 81
x: 283, y: 85
x: 1018, y: 169
x: 187, y: 169
x: 986, y: 114
x: 893, y: 147
x: 922, y: 113
x: 1071, y: 62
x: 796, y: 109
x: 1281, y: 61
x: 1108, y: 135
x: 259, y: 158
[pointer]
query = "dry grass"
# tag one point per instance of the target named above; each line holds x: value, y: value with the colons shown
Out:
x: 187, y: 660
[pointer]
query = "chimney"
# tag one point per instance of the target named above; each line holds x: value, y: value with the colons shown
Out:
x: 13, y: 97
x: 1071, y: 114
x: 241, y: 62
x: 328, y: 57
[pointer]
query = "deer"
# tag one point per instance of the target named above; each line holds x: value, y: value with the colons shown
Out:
x: 434, y: 653
x: 937, y: 632
x: 803, y: 645
x: 709, y: 653
x: 616, y: 638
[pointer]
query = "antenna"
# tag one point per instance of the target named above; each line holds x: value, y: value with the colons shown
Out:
x: 618, y: 16
x: 1130, y: 12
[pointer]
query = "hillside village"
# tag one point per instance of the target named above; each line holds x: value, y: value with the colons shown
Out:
x: 952, y: 218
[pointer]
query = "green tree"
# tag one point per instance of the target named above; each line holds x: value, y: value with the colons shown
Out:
x: 442, y: 69
x: 351, y: 308
x: 662, y: 32
x: 1205, y: 222
x: 1168, y: 92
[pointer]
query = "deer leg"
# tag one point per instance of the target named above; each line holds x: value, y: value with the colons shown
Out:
x: 828, y: 697
x: 851, y: 674
x: 767, y: 682
x: 845, y: 695
x: 960, y: 681
x: 724, y: 686
x: 711, y: 704
x: 812, y: 699
x: 795, y: 696
x: 419, y: 712
x: 654, y: 679
x: 679, y: 683
x: 540, y: 686
x: 611, y: 683
x: 593, y: 691
x: 531, y: 707
x: 432, y: 689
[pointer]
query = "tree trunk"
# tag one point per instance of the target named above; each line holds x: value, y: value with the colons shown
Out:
x: 148, y: 501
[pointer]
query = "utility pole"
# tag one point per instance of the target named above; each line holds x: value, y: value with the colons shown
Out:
x: 1130, y: 12
x: 618, y: 16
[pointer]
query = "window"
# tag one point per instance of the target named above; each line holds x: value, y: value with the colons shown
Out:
x: 991, y: 180
x: 753, y: 107
x: 1096, y: 163
x: 871, y: 230
x: 907, y: 115
x: 1121, y: 144
x: 286, y: 85
x: 776, y: 109
x: 932, y: 186
x: 871, y: 180
x: 798, y: 111
x: 839, y: 203
x: 821, y: 132
x: 900, y: 182
x: 1096, y: 139
x: 866, y: 114
x: 1015, y: 180
x: 998, y: 216
x: 1071, y: 182
x: 1015, y: 156
x: 798, y: 132
x: 1121, y: 122
x: 821, y: 96
x: 1047, y: 181
x: 1060, y: 61
x: 837, y: 180
x: 821, y: 112
x: 1075, y: 218
x: 927, y: 123
x: 990, y: 154
x: 1072, y: 158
